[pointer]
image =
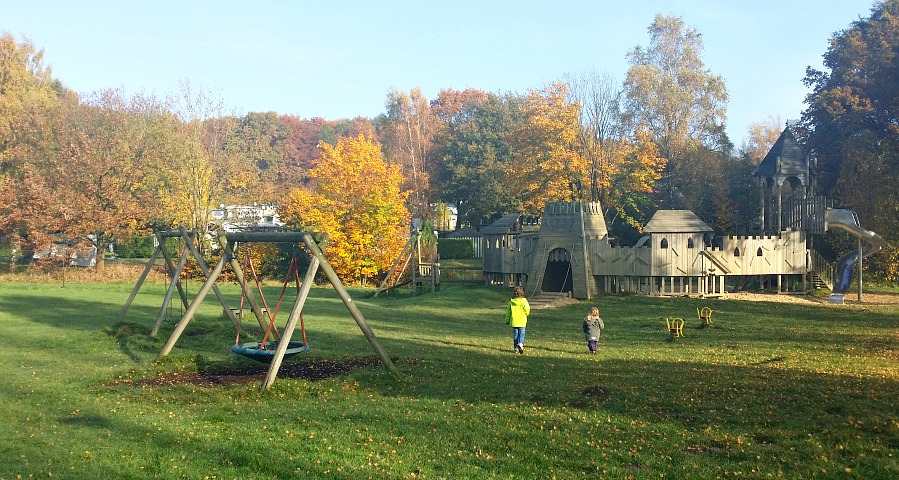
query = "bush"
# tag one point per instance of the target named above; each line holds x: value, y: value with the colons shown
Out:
x: 137, y: 247
x: 142, y: 247
x: 455, y: 248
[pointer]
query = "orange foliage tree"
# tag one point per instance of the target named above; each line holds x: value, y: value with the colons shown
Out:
x: 357, y: 199
x: 546, y: 165
x: 26, y: 94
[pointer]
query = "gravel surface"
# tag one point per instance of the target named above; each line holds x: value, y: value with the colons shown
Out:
x: 849, y: 299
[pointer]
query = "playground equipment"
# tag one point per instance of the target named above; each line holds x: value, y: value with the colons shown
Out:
x: 422, y: 274
x: 869, y: 243
x: 396, y: 276
x: 680, y: 254
x: 264, y: 350
x: 705, y: 315
x: 313, y: 243
x: 174, y: 273
x: 675, y: 326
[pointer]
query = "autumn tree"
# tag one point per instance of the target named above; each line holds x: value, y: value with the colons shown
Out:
x: 852, y: 122
x: 301, y: 151
x: 356, y: 197
x: 202, y: 168
x: 761, y: 136
x: 27, y: 90
x: 95, y: 176
x: 545, y: 163
x: 499, y: 154
x: 72, y: 167
x: 633, y: 180
x: 259, y: 138
x: 602, y: 129
x: 473, y: 153
x: 406, y: 132
x: 333, y: 130
x: 669, y: 89
x: 27, y: 94
x: 300, y: 147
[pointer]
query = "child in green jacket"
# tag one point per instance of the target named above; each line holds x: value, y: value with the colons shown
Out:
x: 517, y: 316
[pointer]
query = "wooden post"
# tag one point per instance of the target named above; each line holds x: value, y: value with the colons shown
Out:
x: 174, y: 273
x: 861, y: 255
x: 140, y: 281
x: 203, y: 268
x: 295, y: 314
x: 345, y: 296
x: 174, y: 283
x: 251, y: 298
x: 192, y: 309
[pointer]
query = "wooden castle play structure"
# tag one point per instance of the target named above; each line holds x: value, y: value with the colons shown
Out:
x: 569, y: 249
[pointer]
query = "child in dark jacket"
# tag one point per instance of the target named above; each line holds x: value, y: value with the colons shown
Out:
x: 592, y: 327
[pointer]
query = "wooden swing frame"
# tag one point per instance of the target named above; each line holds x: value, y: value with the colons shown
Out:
x: 174, y: 274
x: 314, y: 243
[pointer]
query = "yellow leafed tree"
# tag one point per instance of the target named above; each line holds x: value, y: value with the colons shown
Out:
x: 357, y: 199
x: 547, y: 166
x: 638, y: 170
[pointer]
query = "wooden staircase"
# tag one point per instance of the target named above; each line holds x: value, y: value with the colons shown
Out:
x: 816, y: 282
x: 820, y: 274
x: 550, y: 300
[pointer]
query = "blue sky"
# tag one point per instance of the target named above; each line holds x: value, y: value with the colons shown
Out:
x: 338, y: 59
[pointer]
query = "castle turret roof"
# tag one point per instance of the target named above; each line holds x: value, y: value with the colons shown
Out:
x: 503, y: 225
x: 676, y: 221
x: 786, y: 157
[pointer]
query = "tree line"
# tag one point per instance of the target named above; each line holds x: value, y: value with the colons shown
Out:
x: 106, y: 165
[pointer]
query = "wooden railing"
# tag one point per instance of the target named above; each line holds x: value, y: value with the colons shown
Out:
x: 428, y: 276
x: 821, y: 267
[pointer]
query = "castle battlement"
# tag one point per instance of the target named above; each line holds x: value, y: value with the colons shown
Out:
x: 555, y: 209
x: 753, y: 237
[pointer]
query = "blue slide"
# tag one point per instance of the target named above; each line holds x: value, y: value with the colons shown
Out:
x: 847, y: 221
x: 843, y: 272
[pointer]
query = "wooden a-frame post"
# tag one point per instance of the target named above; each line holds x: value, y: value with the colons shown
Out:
x: 171, y: 271
x: 174, y: 274
x: 311, y: 240
x: 391, y: 280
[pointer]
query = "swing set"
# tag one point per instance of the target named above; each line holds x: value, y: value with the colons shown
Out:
x: 275, y: 345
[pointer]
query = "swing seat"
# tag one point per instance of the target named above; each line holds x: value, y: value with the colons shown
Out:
x: 266, y: 353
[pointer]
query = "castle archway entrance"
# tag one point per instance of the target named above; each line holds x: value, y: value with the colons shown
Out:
x: 557, y: 275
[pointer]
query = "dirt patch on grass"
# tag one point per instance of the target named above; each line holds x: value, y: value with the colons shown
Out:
x: 595, y: 391
x: 313, y: 370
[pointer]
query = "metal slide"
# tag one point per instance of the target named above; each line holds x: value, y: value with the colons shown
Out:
x: 847, y: 220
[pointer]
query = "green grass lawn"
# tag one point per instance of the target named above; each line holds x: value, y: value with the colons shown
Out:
x: 768, y: 390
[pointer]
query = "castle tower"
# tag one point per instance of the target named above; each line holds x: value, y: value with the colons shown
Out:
x: 562, y: 261
x: 785, y: 178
